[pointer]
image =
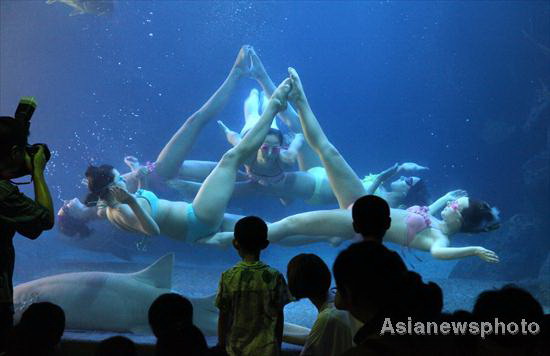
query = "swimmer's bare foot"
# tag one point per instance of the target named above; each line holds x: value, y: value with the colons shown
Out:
x: 257, y: 69
x: 242, y: 63
x: 221, y: 239
x: 297, y: 94
x: 280, y: 95
x: 232, y: 136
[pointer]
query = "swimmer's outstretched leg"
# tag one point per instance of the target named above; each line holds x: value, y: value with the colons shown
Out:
x: 213, y: 197
x: 344, y: 181
x: 306, y: 157
x: 312, y: 226
x: 175, y: 151
x: 251, y: 110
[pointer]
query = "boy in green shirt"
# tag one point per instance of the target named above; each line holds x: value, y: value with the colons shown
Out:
x: 251, y: 296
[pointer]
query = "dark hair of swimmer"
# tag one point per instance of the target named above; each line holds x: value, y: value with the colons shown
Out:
x: 308, y: 276
x: 99, y: 179
x: 417, y: 195
x: 71, y: 227
x: 479, y: 217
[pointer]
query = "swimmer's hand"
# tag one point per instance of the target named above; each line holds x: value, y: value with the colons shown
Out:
x: 388, y: 173
x: 456, y: 194
x: 122, y: 195
x: 411, y: 167
x: 486, y: 255
x: 132, y: 162
x: 243, y: 62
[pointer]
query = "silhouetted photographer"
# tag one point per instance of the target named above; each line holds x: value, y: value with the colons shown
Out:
x: 19, y: 213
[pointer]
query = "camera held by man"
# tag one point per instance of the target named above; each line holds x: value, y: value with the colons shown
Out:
x: 19, y: 213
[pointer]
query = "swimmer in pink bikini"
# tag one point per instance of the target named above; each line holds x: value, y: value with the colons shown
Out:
x: 416, y: 228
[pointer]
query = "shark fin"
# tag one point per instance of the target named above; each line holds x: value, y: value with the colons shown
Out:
x: 159, y: 274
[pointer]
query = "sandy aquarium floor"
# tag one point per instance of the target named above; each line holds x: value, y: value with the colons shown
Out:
x: 197, y: 270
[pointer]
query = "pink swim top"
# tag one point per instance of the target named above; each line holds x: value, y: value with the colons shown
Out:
x: 417, y: 220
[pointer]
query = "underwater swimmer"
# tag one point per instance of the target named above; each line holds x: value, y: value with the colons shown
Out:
x: 267, y: 171
x: 311, y: 182
x: 144, y: 213
x: 170, y: 163
x: 267, y: 167
x: 416, y: 227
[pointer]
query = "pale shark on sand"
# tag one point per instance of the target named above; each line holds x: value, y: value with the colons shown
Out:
x: 96, y: 7
x: 119, y: 302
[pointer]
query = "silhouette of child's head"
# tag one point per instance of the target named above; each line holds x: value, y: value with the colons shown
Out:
x: 250, y: 234
x: 509, y: 304
x: 371, y: 216
x: 308, y: 276
x: 42, y: 324
x: 187, y: 341
x: 168, y: 312
x: 116, y: 346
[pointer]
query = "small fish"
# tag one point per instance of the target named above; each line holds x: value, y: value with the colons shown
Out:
x: 80, y: 7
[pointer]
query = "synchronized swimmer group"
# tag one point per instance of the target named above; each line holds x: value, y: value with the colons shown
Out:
x: 128, y: 200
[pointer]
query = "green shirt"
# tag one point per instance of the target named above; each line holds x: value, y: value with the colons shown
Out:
x: 18, y: 213
x: 253, y: 296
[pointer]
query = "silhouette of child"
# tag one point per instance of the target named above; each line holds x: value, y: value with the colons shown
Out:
x: 251, y: 296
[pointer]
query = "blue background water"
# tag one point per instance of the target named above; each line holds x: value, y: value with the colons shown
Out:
x: 448, y: 85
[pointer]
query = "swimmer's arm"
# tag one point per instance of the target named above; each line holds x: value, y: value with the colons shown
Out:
x: 91, y: 213
x: 148, y: 225
x: 437, y: 205
x: 289, y: 155
x: 440, y: 249
x: 381, y: 178
x: 133, y: 180
x: 440, y: 203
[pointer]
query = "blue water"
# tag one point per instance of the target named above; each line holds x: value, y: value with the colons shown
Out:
x: 449, y: 85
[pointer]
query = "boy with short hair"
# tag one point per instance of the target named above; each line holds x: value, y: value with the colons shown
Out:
x: 251, y: 296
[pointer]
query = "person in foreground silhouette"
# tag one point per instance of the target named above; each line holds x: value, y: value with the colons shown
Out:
x: 18, y: 213
x: 116, y: 346
x: 332, y: 333
x: 171, y: 319
x: 374, y: 285
x: 39, y: 331
x: 511, y: 304
x: 251, y: 296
